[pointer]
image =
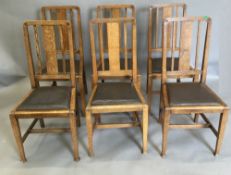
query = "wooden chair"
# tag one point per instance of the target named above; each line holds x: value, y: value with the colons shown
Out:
x: 115, y: 11
x: 193, y: 35
x: 157, y: 14
x: 107, y: 97
x: 73, y: 14
x: 46, y: 101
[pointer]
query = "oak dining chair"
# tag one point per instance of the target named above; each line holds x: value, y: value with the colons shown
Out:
x: 157, y: 13
x: 116, y: 11
x: 107, y: 97
x: 191, y: 95
x: 73, y: 14
x: 45, y: 101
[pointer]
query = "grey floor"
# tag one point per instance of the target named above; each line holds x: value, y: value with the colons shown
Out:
x: 117, y: 151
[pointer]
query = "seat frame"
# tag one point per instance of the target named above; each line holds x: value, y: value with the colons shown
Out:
x: 167, y: 110
x: 153, y: 46
x: 51, y: 75
x: 114, y: 71
x: 61, y: 14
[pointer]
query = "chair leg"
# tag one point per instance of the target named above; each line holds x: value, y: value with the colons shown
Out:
x: 18, y: 137
x: 147, y: 83
x: 145, y: 128
x: 82, y: 95
x: 165, y: 126
x: 74, y: 136
x: 160, y: 109
x: 196, y: 118
x: 97, y: 118
x: 221, y: 130
x: 150, y: 84
x: 89, y: 133
x: 85, y: 81
x: 42, y: 123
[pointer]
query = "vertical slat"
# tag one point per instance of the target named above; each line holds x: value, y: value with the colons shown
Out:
x: 197, y: 44
x: 101, y: 46
x: 125, y: 43
x: 150, y: 28
x: 73, y: 26
x: 134, y: 53
x: 176, y: 27
x: 173, y: 45
x: 93, y: 55
x: 167, y: 12
x: 185, y: 45
x: 38, y: 51
x: 157, y: 28
x: 50, y: 49
x: 61, y: 14
x: 62, y: 48
x: 113, y: 46
x: 115, y: 13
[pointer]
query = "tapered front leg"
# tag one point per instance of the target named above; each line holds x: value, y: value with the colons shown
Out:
x: 18, y: 137
x: 89, y: 133
x: 221, y: 130
x: 165, y: 126
x: 145, y: 128
x: 74, y: 136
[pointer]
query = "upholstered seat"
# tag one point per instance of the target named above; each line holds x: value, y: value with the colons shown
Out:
x: 157, y: 64
x: 47, y: 98
x: 191, y: 94
x: 115, y: 93
x: 60, y: 66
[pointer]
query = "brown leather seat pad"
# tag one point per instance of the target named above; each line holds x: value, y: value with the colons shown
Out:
x: 47, y: 98
x: 190, y: 94
x: 115, y: 93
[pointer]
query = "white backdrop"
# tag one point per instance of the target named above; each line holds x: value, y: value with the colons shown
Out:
x: 14, y: 12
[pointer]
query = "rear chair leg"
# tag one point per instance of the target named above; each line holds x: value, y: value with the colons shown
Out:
x: 150, y: 84
x: 221, y: 130
x: 196, y: 118
x: 82, y: 95
x: 42, y: 123
x: 18, y: 137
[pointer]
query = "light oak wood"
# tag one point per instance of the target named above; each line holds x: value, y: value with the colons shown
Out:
x: 73, y: 14
x: 157, y: 13
x: 116, y: 72
x: 52, y: 73
x: 198, y: 75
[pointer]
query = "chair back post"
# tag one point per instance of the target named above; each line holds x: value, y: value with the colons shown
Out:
x: 29, y: 56
x: 206, y: 51
x: 193, y: 39
x: 44, y: 42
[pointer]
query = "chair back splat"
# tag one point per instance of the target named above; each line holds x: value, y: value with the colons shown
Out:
x: 157, y: 14
x: 43, y: 60
x: 191, y: 35
x: 113, y: 65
